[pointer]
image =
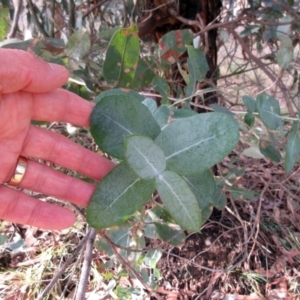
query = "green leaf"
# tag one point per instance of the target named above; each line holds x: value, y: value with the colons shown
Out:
x: 269, y: 151
x: 152, y: 257
x: 117, y: 197
x: 151, y: 104
x: 173, y: 44
x: 218, y: 108
x: 250, y: 103
x: 78, y: 45
x: 206, y: 213
x: 269, y: 111
x: 122, y: 57
x: 170, y: 233
x: 143, y: 75
x: 250, y: 30
x: 161, y: 85
x: 201, y: 141
x: 116, y: 116
x: 292, y: 148
x: 145, y: 158
x: 203, y: 186
x: 4, y: 20
x: 161, y: 115
x: 179, y: 113
x: 219, y: 200
x: 179, y: 200
x: 249, y: 119
x: 285, y: 53
x: 198, y: 68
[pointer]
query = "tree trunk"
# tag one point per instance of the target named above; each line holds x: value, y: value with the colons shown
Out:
x: 166, y: 16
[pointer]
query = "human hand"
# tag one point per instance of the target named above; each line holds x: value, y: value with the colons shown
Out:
x: 29, y: 90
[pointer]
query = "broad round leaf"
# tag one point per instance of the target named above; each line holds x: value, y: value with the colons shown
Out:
x: 269, y: 110
x: 194, y: 144
x: 145, y: 158
x: 117, y: 197
x: 203, y: 186
x: 179, y: 200
x: 116, y: 116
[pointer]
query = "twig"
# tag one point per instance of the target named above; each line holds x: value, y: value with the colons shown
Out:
x: 128, y: 266
x: 63, y: 268
x: 86, y: 267
x: 94, y: 7
x: 266, y: 71
x: 71, y: 23
x: 37, y: 23
x: 14, y: 25
x: 257, y: 219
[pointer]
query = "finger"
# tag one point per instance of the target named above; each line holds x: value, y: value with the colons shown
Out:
x: 18, y: 207
x: 45, y: 180
x: 61, y: 105
x: 22, y: 70
x: 50, y: 146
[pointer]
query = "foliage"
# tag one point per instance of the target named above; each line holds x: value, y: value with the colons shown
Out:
x: 163, y: 184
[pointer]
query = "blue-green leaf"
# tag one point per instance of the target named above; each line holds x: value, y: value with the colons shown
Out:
x: 116, y: 116
x: 120, y: 193
x: 201, y: 141
x: 250, y: 103
x: 269, y: 151
x: 203, y: 186
x: 269, y: 110
x: 145, y: 158
x: 292, y: 148
x: 179, y: 200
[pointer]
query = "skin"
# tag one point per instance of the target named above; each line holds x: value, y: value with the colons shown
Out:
x: 30, y: 90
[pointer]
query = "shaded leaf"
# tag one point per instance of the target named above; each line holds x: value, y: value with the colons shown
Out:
x: 250, y: 103
x: 79, y: 44
x: 116, y: 116
x: 203, y: 186
x: 174, y: 44
x: 219, y: 200
x: 249, y: 119
x: 151, y: 104
x: 206, y: 213
x: 160, y: 85
x: 179, y: 200
x: 201, y: 141
x: 292, y: 148
x: 269, y: 151
x: 269, y: 110
x: 143, y: 75
x: 198, y: 68
x: 122, y: 57
x: 118, y: 92
x: 112, y: 206
x: 170, y: 233
x: 161, y: 115
x: 179, y: 113
x: 145, y: 158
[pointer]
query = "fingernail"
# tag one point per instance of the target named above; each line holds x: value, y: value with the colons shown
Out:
x: 57, y: 68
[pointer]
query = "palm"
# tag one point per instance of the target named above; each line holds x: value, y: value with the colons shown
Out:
x: 29, y: 90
